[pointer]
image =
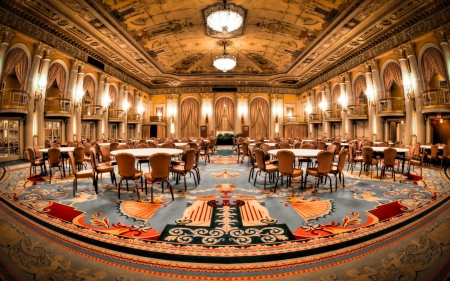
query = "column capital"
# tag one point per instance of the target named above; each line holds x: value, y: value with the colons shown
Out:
x: 273, y: 96
x: 400, y: 52
x: 342, y: 78
x: 409, y: 49
x: 39, y: 49
x: 7, y: 33
x: 107, y: 78
x: 440, y: 34
x: 373, y: 64
x: 81, y: 67
x: 366, y: 66
x: 238, y: 95
x: 102, y: 77
x: 75, y: 65
x: 348, y: 76
x: 246, y: 96
x: 176, y: 96
x: 211, y: 96
x: 203, y: 96
x: 309, y: 93
x: 325, y: 86
x: 49, y: 52
x: 280, y: 96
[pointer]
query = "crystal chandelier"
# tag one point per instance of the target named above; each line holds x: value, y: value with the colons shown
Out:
x: 224, y: 62
x: 225, y: 19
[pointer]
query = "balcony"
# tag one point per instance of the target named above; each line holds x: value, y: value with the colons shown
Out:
x: 116, y: 115
x: 358, y: 112
x: 92, y: 112
x: 295, y: 120
x: 435, y: 101
x: 391, y: 107
x: 333, y: 115
x: 154, y: 119
x: 134, y: 118
x: 14, y: 101
x: 58, y: 107
x: 315, y: 118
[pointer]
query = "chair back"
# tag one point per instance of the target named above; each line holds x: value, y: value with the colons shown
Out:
x: 416, y: 151
x: 389, y: 156
x: 352, y: 151
x: 31, y: 154
x: 79, y: 154
x: 152, y: 145
x: 72, y: 162
x: 160, y: 164
x: 434, y: 150
x: 307, y: 146
x: 106, y: 153
x: 142, y: 141
x: 260, y: 161
x: 258, y: 144
x: 337, y: 147
x: 297, y: 145
x: 342, y: 158
x: 142, y: 145
x: 125, y: 163
x: 190, y: 158
x: 324, y: 161
x: 286, y: 160
x: 37, y: 154
x: 321, y: 145
x: 87, y: 149
x: 411, y: 150
x: 245, y: 148
x: 54, y: 156
x: 129, y: 143
x: 383, y: 144
x: 93, y: 159
x: 192, y: 145
x: 367, y: 152
x: 332, y: 148
x: 123, y: 146
x: 114, y: 146
x: 445, y: 151
x: 285, y: 145
x: 167, y: 145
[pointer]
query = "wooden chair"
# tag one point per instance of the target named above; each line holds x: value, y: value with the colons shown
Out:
x: 101, y: 169
x: 244, y: 152
x: 444, y: 156
x: 263, y: 166
x: 34, y: 162
x: 337, y: 169
x: 160, y: 169
x: 388, y: 162
x: 54, y: 160
x: 433, y: 154
x: 417, y: 162
x: 186, y: 168
x: 324, y: 162
x: 85, y: 174
x: 106, y: 156
x: 368, y: 161
x: 125, y: 162
x: 286, y: 164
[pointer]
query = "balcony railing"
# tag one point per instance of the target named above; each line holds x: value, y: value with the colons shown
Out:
x: 116, y: 115
x: 435, y: 99
x: 134, y: 118
x: 92, y: 111
x: 154, y: 119
x: 58, y: 107
x: 295, y: 119
x: 315, y: 117
x: 332, y: 115
x: 15, y: 101
x: 391, y: 106
x: 358, y: 110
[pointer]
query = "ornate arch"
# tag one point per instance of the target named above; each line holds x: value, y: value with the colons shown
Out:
x: 359, y: 86
x: 190, y: 117
x: 90, y: 86
x: 221, y: 105
x: 58, y: 72
x: 114, y: 95
x: 259, y: 117
x: 18, y: 59
x: 431, y: 61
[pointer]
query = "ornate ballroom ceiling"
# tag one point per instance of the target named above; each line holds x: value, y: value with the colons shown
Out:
x: 167, y: 42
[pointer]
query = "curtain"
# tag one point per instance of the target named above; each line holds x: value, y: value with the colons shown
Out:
x: 432, y: 62
x: 360, y: 86
x: 161, y: 131
x: 295, y: 131
x: 17, y: 59
x: 336, y: 95
x: 259, y: 117
x: 224, y: 105
x: 89, y: 87
x: 57, y: 72
x: 113, y: 96
x: 392, y: 73
x: 190, y: 109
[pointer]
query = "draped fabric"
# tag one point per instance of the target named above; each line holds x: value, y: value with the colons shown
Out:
x: 259, y: 117
x: 295, y: 131
x: 130, y: 101
x: 57, y: 72
x: 335, y: 97
x: 161, y: 131
x: 89, y: 87
x: 113, y: 96
x: 432, y: 62
x: 224, y: 105
x: 17, y: 60
x: 190, y: 109
x: 360, y: 86
x: 392, y: 73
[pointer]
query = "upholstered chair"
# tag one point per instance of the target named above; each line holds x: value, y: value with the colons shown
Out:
x: 123, y: 146
x: 188, y: 166
x: 244, y: 152
x: 114, y: 146
x: 101, y: 169
x: 417, y: 162
x: 160, y: 168
x: 54, y: 160
x: 286, y: 164
x: 34, y: 162
x: 106, y: 156
x: 368, y: 161
x: 285, y: 145
x: 85, y: 174
x: 324, y: 162
x: 337, y: 169
x: 433, y: 154
x: 388, y: 163
x: 263, y: 166
x: 444, y: 156
x: 80, y: 160
x: 206, y: 152
x: 321, y: 145
x: 125, y: 162
x: 252, y: 161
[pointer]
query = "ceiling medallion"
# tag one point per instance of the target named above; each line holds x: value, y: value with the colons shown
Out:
x: 223, y: 18
x: 224, y: 62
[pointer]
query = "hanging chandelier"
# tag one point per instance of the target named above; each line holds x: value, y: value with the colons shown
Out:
x: 224, y: 62
x: 225, y: 19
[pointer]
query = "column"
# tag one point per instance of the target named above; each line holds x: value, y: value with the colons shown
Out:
x: 204, y: 110
x: 237, y: 117
x: 104, y: 95
x: 246, y: 110
x: 428, y: 131
x: 122, y: 92
x: 212, y: 120
x: 342, y: 87
x: 417, y: 86
x: 170, y: 116
x: 78, y: 112
x: 407, y: 136
x: 280, y: 115
x: 7, y: 33
x: 378, y: 90
x: 311, y: 102
x: 40, y: 106
x: 177, y: 115
x: 99, y: 129
x: 372, y: 111
x: 273, y: 114
x: 349, y: 93
x: 440, y: 34
x: 137, y: 103
x: 71, y: 94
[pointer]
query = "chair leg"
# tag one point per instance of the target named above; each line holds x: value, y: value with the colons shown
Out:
x: 171, y: 191
x: 74, y: 186
x: 331, y: 187
x: 185, y: 186
x: 276, y: 183
x: 118, y: 188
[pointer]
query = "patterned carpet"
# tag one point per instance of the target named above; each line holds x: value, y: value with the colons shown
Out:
x: 225, y: 228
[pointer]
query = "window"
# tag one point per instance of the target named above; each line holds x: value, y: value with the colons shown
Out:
x: 112, y: 131
x: 53, y: 131
x: 9, y: 137
x: 87, y: 131
x: 442, y: 84
x: 130, y: 131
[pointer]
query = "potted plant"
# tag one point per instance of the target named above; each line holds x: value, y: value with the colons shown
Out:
x: 225, y: 139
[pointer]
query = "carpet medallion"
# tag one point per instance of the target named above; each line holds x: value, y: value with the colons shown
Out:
x: 379, y: 230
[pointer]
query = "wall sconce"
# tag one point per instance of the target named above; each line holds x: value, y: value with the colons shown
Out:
x: 323, y: 105
x: 370, y: 97
x: 410, y: 91
x: 74, y: 138
x: 343, y: 101
x: 206, y: 119
x: 38, y: 93
x: 276, y: 119
x: 308, y: 109
x: 78, y: 99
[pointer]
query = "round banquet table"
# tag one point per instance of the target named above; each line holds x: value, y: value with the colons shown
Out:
x: 142, y: 152
x: 299, y: 152
x: 429, y: 147
x: 177, y: 144
x: 378, y: 142
x: 342, y: 144
x: 271, y: 144
x: 62, y: 149
x: 104, y: 144
x: 381, y: 149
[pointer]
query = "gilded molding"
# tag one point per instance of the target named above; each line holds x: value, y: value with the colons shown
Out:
x: 440, y: 34
x: 81, y: 67
x: 409, y: 49
x: 49, y: 51
x: 39, y: 49
x: 373, y: 64
x: 7, y: 33
x: 342, y: 78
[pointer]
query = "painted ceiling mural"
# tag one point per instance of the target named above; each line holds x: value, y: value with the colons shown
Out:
x: 275, y: 33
